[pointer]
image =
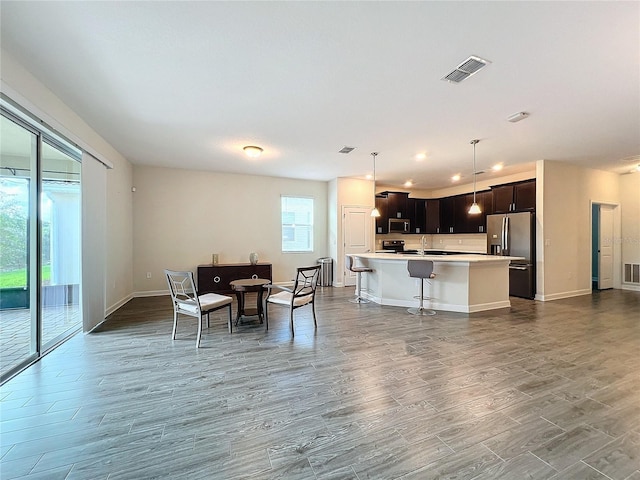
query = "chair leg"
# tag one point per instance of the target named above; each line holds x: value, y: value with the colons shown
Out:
x: 265, y: 309
x: 175, y: 325
x: 359, y: 298
x: 293, y: 333
x: 313, y: 309
x: 199, y: 332
x: 421, y: 310
x: 208, y: 325
x: 230, y: 320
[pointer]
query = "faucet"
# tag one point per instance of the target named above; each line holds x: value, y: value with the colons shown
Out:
x: 423, y: 240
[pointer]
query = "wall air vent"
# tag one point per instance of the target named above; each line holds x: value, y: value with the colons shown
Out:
x: 632, y: 273
x: 467, y: 68
x: 346, y: 149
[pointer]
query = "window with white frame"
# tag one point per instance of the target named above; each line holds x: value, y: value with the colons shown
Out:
x: 297, y: 224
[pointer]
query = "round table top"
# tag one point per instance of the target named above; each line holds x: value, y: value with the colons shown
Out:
x: 248, y: 282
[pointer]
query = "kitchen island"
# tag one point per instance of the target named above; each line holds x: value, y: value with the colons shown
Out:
x: 464, y: 283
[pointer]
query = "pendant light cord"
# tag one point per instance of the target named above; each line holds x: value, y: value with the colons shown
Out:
x: 473, y: 142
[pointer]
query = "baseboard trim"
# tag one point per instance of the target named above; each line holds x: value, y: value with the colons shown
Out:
x: 633, y: 288
x: 116, y: 306
x: 561, y: 295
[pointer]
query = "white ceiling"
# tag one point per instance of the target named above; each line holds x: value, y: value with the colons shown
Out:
x: 187, y: 84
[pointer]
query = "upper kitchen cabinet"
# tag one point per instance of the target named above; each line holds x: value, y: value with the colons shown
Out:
x: 419, y: 220
x: 468, y: 223
x: 432, y: 222
x: 382, y: 222
x: 514, y: 197
x: 397, y: 204
x: 447, y: 215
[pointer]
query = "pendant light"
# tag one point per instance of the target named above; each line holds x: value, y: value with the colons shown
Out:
x: 475, y: 208
x: 374, y: 212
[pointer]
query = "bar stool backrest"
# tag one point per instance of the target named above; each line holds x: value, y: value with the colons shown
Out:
x: 420, y: 268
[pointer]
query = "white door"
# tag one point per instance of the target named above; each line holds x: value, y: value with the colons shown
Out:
x: 357, y: 226
x: 605, y: 248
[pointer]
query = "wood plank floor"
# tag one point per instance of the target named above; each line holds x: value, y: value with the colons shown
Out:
x: 538, y: 391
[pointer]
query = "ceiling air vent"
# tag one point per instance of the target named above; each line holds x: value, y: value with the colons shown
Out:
x: 467, y: 68
x: 347, y: 149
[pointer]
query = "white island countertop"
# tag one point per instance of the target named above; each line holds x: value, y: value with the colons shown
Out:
x: 465, y: 283
x: 449, y: 257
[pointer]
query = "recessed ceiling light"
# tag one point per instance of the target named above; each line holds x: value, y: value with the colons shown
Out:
x: 497, y: 167
x: 408, y: 183
x: 252, y: 151
x: 455, y: 178
x: 638, y: 168
x: 421, y: 156
x: 368, y: 176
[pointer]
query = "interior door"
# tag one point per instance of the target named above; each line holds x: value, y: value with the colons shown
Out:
x: 357, y: 226
x: 605, y: 248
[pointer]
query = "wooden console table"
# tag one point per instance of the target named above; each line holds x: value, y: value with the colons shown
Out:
x: 217, y: 278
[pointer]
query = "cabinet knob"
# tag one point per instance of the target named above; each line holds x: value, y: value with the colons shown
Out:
x: 254, y: 276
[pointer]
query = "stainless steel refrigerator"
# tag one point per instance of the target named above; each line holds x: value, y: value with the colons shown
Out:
x: 513, y: 234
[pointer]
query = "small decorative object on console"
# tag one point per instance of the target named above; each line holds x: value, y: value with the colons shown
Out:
x: 253, y: 258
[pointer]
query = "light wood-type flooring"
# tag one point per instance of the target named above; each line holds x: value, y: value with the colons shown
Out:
x: 538, y: 391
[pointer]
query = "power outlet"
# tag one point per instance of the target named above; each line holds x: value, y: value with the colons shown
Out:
x: 148, y: 274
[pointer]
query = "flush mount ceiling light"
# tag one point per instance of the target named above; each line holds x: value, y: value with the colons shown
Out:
x: 455, y: 178
x: 516, y: 117
x: 475, y: 208
x: 375, y: 212
x: 421, y: 156
x: 497, y: 167
x: 252, y: 151
x: 467, y: 68
x: 408, y: 184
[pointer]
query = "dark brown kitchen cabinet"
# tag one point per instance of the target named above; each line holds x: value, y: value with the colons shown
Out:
x: 447, y: 214
x: 397, y: 204
x: 514, y: 197
x: 432, y: 224
x: 216, y: 278
x: 419, y: 220
x: 382, y: 222
x: 476, y: 223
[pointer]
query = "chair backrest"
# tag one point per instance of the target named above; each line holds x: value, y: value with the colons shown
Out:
x: 306, y: 281
x: 420, y: 268
x: 182, y: 287
x: 349, y: 262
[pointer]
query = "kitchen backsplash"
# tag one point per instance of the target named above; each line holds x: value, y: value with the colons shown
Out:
x: 469, y: 242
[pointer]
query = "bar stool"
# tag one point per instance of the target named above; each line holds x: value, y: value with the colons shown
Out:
x: 422, y: 269
x: 358, y: 271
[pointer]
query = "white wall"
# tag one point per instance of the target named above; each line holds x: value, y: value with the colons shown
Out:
x: 630, y: 220
x: 24, y: 89
x: 350, y: 192
x: 564, y: 226
x: 181, y: 217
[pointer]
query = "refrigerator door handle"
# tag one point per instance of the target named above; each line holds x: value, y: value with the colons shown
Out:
x: 506, y: 234
x: 502, y: 230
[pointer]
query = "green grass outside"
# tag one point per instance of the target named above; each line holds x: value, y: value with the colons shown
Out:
x: 18, y: 278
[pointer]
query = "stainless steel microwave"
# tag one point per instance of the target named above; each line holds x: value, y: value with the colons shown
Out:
x: 399, y: 225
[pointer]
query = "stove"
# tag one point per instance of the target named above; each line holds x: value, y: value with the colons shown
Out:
x: 393, y: 246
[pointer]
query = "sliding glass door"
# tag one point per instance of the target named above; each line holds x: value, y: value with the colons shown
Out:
x: 40, y: 242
